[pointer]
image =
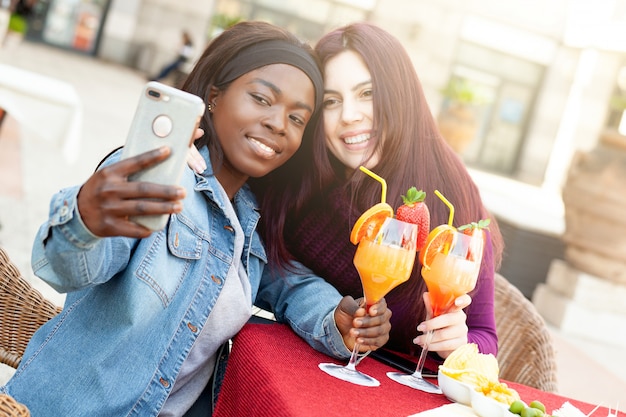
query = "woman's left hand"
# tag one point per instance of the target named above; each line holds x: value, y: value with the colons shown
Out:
x: 450, y: 328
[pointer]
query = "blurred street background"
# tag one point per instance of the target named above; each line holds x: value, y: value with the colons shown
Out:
x: 539, y: 89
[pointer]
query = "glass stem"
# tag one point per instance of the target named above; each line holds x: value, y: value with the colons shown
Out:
x: 353, y: 357
x: 422, y: 360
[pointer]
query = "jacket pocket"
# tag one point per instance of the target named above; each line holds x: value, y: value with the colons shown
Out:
x: 170, y: 259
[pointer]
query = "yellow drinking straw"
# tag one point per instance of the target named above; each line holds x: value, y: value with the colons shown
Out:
x: 383, y: 197
x: 447, y: 246
x: 447, y: 203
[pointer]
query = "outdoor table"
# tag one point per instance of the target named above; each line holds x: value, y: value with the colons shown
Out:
x: 46, y: 106
x: 273, y: 372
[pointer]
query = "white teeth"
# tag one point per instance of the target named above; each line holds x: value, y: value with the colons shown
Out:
x: 357, y: 139
x: 263, y: 146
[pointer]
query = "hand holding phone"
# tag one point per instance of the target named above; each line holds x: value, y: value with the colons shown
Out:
x: 107, y: 200
x: 164, y: 116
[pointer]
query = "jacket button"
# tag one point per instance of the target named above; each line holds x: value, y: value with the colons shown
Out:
x: 164, y: 382
x: 192, y: 327
x: 216, y: 280
x: 229, y: 228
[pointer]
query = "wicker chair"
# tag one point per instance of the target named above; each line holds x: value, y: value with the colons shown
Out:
x: 22, y: 311
x: 11, y: 408
x: 526, y: 353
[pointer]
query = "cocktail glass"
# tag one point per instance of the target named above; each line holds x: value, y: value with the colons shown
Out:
x: 384, y: 262
x: 452, y: 272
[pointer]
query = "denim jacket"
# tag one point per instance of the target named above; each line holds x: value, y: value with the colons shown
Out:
x: 135, y: 306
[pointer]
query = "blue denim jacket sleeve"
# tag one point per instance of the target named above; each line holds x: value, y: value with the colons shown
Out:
x: 307, y: 303
x: 77, y: 259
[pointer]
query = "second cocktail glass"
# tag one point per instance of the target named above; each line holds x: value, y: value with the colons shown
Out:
x: 450, y: 270
x: 383, y: 262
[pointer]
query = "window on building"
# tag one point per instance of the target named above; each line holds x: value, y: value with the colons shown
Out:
x: 309, y: 19
x: 504, y: 88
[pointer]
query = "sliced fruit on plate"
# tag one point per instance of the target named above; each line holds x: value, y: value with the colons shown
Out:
x: 440, y: 239
x: 370, y: 222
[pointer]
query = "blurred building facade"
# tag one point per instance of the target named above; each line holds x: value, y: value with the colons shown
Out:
x: 519, y: 86
x: 539, y: 78
x: 541, y: 74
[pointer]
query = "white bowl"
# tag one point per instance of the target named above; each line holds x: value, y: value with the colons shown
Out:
x: 488, y: 407
x: 455, y: 390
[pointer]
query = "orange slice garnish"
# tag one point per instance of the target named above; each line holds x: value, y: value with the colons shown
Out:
x: 439, y: 240
x: 370, y: 222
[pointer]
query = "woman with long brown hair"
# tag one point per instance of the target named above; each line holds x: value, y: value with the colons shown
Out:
x: 375, y: 114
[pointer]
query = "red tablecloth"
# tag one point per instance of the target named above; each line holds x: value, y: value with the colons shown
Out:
x: 273, y: 372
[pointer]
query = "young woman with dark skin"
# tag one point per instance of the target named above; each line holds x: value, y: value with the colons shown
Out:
x: 146, y: 313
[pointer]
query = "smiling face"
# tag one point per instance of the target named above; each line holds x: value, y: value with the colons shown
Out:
x: 259, y: 120
x: 349, y: 111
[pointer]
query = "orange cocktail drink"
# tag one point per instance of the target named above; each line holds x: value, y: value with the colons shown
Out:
x: 450, y: 261
x: 449, y: 277
x: 382, y: 268
x: 384, y: 258
x: 452, y: 270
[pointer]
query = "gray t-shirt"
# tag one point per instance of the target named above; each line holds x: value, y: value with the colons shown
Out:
x: 231, y: 311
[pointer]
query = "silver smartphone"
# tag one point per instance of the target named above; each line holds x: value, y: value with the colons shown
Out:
x: 164, y: 116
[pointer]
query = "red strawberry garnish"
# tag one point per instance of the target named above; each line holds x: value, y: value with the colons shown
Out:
x: 414, y: 210
x: 476, y: 231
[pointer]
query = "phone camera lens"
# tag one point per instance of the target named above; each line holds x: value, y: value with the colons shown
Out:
x: 154, y: 93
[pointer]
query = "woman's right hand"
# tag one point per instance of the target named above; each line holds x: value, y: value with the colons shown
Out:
x: 450, y: 328
x: 108, y: 198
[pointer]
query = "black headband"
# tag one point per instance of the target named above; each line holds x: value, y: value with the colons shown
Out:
x: 273, y: 52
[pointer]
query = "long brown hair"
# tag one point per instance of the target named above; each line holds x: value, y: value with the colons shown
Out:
x: 413, y: 152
